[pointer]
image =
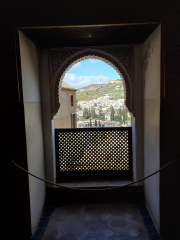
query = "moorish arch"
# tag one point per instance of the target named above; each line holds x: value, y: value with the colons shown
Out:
x: 62, y: 60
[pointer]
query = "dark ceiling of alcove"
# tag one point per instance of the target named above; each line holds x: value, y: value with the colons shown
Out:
x: 89, y: 36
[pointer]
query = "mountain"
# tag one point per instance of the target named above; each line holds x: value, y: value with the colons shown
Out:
x: 114, y: 89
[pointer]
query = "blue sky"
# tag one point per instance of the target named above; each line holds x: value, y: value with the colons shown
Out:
x: 88, y: 72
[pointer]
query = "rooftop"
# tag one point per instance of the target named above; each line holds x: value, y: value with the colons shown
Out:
x: 67, y: 86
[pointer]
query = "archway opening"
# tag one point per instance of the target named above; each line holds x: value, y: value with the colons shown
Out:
x: 93, y: 133
x: 92, y: 93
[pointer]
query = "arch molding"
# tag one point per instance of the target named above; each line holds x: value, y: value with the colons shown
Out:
x: 120, y: 58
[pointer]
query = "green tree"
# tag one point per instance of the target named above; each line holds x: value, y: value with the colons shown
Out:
x: 112, y: 113
x: 90, y: 123
x: 116, y: 118
x: 79, y: 106
x: 86, y: 113
x: 99, y: 123
x: 101, y: 114
x: 119, y: 113
x: 95, y: 123
x: 89, y: 113
x: 120, y: 116
x: 93, y: 113
x: 121, y: 121
x: 103, y: 117
x: 124, y: 115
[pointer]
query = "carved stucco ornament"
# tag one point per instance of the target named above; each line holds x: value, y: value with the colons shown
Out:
x: 62, y: 60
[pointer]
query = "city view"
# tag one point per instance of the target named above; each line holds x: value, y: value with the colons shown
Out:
x: 102, y: 105
x: 95, y: 93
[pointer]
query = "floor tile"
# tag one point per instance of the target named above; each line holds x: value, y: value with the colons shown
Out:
x: 121, y: 221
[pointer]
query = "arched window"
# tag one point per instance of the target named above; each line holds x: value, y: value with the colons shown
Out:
x: 63, y: 60
x: 98, y: 99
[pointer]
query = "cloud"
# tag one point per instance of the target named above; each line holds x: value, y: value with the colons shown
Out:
x: 77, y: 65
x: 82, y: 81
x: 93, y: 61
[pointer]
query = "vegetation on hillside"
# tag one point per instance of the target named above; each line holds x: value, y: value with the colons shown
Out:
x: 94, y: 91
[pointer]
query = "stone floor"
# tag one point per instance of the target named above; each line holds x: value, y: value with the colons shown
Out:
x: 124, y: 221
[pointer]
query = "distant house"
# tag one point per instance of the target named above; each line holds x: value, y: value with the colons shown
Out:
x: 80, y: 124
x: 112, y: 81
x: 96, y: 110
x: 79, y: 113
x: 108, y: 116
x: 66, y: 117
x: 110, y: 124
x: 115, y: 81
x: 128, y: 123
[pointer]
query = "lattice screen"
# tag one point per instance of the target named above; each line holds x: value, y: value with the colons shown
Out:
x: 95, y: 149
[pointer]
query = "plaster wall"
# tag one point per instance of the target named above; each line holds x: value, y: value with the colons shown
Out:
x: 137, y: 121
x: 151, y: 62
x: 33, y: 126
x: 63, y: 118
x: 48, y: 123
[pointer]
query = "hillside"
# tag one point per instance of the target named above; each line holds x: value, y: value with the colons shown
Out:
x: 114, y: 90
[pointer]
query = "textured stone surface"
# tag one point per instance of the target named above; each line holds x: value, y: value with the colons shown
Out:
x: 127, y: 236
x: 96, y: 222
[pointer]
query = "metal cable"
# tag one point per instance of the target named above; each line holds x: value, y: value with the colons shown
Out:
x: 95, y: 189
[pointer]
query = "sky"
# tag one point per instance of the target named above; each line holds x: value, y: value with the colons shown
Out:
x: 88, y: 72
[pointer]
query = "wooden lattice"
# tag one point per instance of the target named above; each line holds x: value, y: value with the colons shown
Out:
x: 93, y: 149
